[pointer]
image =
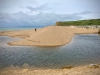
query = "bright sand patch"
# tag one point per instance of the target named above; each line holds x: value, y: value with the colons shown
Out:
x: 47, y: 36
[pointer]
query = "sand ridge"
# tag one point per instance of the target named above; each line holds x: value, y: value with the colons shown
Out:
x: 47, y: 36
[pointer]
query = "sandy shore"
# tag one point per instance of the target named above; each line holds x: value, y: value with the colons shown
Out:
x: 47, y: 36
x: 82, y: 70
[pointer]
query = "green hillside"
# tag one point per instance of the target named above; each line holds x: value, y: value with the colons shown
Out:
x: 79, y: 22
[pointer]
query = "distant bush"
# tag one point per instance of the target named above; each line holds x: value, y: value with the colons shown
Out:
x: 79, y: 22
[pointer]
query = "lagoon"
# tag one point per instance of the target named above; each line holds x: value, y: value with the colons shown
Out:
x: 82, y: 50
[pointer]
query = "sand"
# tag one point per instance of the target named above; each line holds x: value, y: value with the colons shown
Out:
x: 82, y: 70
x: 47, y: 36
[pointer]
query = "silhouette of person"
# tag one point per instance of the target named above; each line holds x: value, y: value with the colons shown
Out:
x: 35, y: 29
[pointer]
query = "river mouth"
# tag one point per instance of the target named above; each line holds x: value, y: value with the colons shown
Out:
x: 82, y: 50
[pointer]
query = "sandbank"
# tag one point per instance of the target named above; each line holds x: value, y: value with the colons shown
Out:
x: 47, y: 36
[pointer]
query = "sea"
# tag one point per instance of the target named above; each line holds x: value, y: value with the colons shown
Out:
x: 19, y: 28
x: 84, y: 49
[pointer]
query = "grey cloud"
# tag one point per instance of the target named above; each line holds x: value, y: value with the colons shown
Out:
x: 39, y: 8
x: 5, y: 17
x: 41, y: 19
x: 95, y: 14
x: 85, y: 12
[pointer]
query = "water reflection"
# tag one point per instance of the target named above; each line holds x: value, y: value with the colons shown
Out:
x: 83, y: 49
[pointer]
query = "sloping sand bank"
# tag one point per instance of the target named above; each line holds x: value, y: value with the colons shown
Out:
x: 47, y: 36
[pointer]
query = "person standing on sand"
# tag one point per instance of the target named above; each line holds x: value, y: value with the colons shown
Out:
x: 35, y: 29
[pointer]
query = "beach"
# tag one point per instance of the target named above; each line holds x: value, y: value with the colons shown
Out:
x: 82, y: 70
x: 47, y: 36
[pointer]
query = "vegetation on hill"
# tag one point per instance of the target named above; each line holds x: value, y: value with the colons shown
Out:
x: 79, y: 22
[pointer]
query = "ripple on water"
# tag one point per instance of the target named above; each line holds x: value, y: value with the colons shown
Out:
x: 83, y: 49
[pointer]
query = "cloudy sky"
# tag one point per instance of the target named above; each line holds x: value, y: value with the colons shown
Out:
x: 46, y: 12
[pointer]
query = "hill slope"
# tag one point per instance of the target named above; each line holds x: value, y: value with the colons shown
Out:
x: 79, y: 22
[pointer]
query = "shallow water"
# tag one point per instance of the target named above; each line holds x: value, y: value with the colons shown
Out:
x: 82, y: 50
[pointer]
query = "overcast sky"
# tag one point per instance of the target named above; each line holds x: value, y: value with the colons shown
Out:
x: 46, y: 12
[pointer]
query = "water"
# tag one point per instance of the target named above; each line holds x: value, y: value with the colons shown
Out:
x: 82, y: 50
x: 19, y: 28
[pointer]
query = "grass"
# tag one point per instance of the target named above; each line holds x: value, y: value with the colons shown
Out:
x: 79, y: 22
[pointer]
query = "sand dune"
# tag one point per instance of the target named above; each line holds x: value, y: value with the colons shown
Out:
x: 47, y: 36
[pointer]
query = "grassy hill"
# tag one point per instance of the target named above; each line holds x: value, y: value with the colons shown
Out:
x: 79, y: 23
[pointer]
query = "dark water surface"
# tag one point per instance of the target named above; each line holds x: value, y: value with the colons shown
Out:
x: 82, y: 50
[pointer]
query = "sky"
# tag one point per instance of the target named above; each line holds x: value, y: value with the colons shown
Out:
x: 46, y: 12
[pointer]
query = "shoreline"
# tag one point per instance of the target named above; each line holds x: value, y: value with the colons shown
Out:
x: 92, y: 69
x: 47, y: 36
